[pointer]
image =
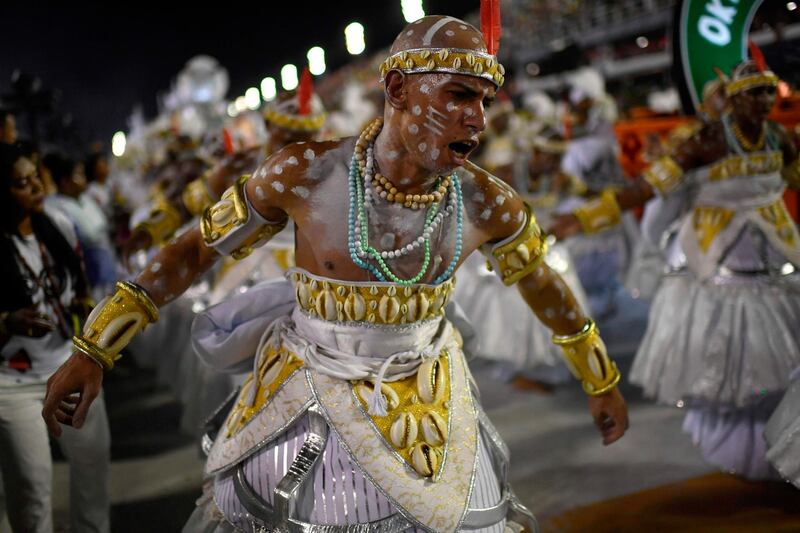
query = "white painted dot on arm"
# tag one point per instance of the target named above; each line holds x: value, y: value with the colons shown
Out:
x: 505, y: 217
x: 278, y: 169
x: 550, y: 312
x: 301, y: 191
x: 486, y: 214
x: 155, y: 267
x: 278, y: 186
x: 462, y: 26
x: 500, y: 200
x: 479, y: 197
x: 449, y: 33
x: 260, y: 194
x: 476, y: 40
x: 309, y: 154
x: 292, y: 160
x: 393, y: 154
x: 572, y: 315
x: 409, y: 33
x: 520, y: 216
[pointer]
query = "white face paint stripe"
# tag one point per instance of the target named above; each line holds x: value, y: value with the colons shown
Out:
x: 433, y: 122
x: 433, y: 30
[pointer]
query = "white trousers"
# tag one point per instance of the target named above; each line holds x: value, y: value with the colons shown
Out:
x: 27, y: 468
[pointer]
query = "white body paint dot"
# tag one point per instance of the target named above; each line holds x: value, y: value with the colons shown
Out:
x: 424, y: 88
x: 469, y: 112
x: 413, y: 128
x: 520, y: 216
x: 393, y: 154
x: 435, y: 153
x: 478, y: 197
x: 450, y: 106
x: 422, y: 147
x: 260, y: 193
x: 155, y: 267
x: 292, y: 160
x: 476, y: 40
x: 301, y: 191
x: 500, y: 200
x: 487, y: 213
x: 462, y: 26
x: 506, y: 217
x: 278, y: 186
x: 409, y: 33
x: 309, y: 154
x: 278, y: 169
x: 417, y: 110
x: 387, y: 241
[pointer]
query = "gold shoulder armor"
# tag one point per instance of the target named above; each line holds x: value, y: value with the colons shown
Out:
x: 233, y: 227
x: 519, y: 255
x: 664, y: 175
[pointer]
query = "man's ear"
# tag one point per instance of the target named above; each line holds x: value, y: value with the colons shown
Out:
x: 395, y: 89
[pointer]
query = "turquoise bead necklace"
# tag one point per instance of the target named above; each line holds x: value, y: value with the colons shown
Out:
x: 360, y: 176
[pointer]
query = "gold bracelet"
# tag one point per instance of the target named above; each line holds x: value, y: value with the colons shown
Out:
x: 114, y: 321
x: 587, y: 358
x: 196, y: 197
x: 599, y: 213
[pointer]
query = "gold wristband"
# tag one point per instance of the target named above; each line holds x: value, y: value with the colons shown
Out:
x: 113, y: 323
x: 587, y: 358
x: 599, y: 213
x: 163, y: 221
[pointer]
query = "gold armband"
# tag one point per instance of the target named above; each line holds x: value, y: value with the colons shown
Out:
x: 791, y: 174
x: 113, y: 323
x: 163, y: 221
x: 233, y: 227
x: 196, y: 197
x: 665, y: 174
x: 599, y: 213
x: 518, y: 256
x: 587, y: 359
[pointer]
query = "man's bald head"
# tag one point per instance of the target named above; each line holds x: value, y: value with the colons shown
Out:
x: 439, y: 31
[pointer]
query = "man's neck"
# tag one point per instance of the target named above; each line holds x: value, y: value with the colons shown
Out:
x: 392, y: 161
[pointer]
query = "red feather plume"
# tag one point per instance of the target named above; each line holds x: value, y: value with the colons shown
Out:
x: 304, y: 92
x: 758, y: 55
x: 227, y: 141
x: 490, y: 25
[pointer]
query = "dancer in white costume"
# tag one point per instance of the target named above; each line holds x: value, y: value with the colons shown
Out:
x: 360, y: 413
x: 723, y: 337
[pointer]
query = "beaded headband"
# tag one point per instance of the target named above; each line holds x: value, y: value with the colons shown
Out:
x: 295, y: 122
x: 449, y: 60
x: 766, y: 78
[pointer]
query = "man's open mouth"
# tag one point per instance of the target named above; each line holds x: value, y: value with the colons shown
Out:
x: 463, y: 148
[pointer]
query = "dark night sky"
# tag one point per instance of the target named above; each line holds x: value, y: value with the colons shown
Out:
x: 105, y: 58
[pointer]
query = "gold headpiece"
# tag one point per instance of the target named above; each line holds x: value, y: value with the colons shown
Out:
x: 451, y: 60
x: 749, y: 74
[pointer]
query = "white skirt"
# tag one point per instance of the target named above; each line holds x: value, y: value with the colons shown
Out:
x: 725, y: 351
x: 783, y: 434
x: 719, y: 344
